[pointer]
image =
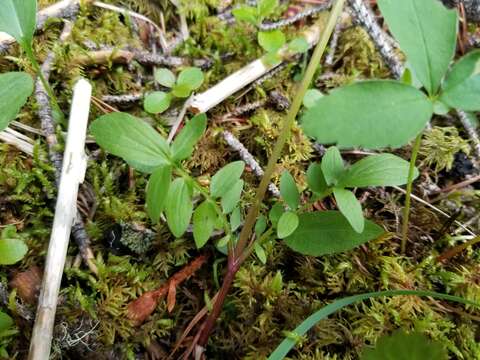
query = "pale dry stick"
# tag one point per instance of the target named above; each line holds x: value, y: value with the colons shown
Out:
x: 179, y: 119
x: 472, y: 133
x: 441, y: 212
x: 27, y: 128
x: 212, y: 97
x: 8, y: 138
x: 248, y: 158
x: 183, y: 20
x: 73, y: 173
x: 48, y: 127
x: 363, y: 15
x: 66, y: 9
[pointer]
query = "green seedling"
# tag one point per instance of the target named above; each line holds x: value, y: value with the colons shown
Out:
x: 271, y: 41
x: 188, y: 80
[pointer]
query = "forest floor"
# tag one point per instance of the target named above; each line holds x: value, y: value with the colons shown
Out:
x: 267, y: 299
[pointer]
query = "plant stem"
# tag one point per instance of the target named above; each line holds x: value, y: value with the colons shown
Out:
x: 406, y: 209
x: 236, y: 260
x: 46, y: 85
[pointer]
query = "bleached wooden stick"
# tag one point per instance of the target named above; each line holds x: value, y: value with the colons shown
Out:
x: 238, y: 80
x: 73, y: 172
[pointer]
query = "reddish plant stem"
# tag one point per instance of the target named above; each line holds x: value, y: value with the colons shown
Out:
x: 236, y: 255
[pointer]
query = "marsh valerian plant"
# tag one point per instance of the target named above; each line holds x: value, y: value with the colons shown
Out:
x: 18, y: 19
x: 376, y: 114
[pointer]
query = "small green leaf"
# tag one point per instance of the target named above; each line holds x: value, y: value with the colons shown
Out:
x: 377, y: 170
x: 157, y: 190
x: 178, y: 207
x: 315, y: 179
x: 271, y: 58
x: 271, y: 41
x: 157, y: 102
x: 350, y: 207
x: 181, y: 91
x: 165, y: 77
x: 132, y: 139
x: 298, y: 45
x: 246, y: 13
x: 18, y: 18
x: 328, y: 232
x: 289, y: 191
x: 15, y: 88
x: 235, y: 219
x: 427, y: 33
x: 372, y: 114
x: 461, y: 88
x: 400, y: 345
x: 275, y: 213
x: 332, y: 165
x: 182, y: 146
x: 226, y: 178
x: 266, y: 7
x: 311, y: 97
x: 287, y: 224
x: 6, y: 322
x: 260, y: 252
x: 204, y: 220
x: 191, y: 77
x: 232, y: 197
x: 260, y: 225
x: 12, y: 250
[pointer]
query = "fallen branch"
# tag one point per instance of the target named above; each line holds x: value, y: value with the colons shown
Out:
x: 73, y: 172
x: 125, y: 99
x: 272, y: 25
x: 140, y: 309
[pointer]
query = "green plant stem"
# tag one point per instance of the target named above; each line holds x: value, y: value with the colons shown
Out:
x: 226, y: 224
x: 245, y: 234
x: 406, y: 209
x: 46, y: 85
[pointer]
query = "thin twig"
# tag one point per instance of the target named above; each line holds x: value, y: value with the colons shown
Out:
x: 248, y: 158
x: 363, y: 15
x: 125, y: 99
x: 472, y: 133
x: 272, y: 25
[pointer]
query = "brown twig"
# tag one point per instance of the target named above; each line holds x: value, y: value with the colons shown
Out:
x: 457, y: 186
x: 450, y: 253
x: 140, y: 309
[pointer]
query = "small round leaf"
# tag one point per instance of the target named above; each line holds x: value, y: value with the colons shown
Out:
x: 157, y: 102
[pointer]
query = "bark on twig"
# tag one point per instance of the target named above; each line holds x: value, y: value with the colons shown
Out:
x: 248, y: 158
x: 125, y: 99
x: 471, y: 131
x: 363, y: 15
x: 272, y: 25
